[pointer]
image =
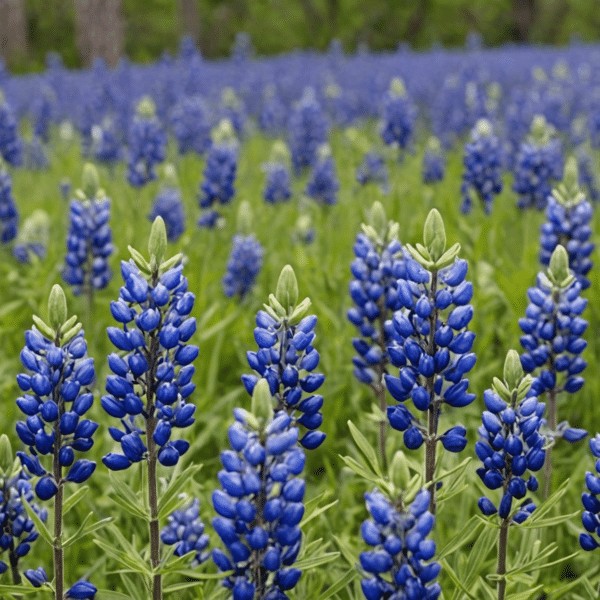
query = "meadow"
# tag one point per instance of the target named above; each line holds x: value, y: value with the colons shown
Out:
x: 501, y: 249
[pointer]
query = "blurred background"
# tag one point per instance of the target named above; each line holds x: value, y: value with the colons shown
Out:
x: 81, y: 30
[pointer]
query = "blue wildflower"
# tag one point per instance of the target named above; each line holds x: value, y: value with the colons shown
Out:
x: 107, y: 146
x: 11, y: 146
x: 434, y: 161
x: 185, y: 530
x: 191, y: 123
x: 591, y: 504
x: 398, y: 116
x: 35, y: 155
x: 147, y: 144
x: 154, y: 361
x: 483, y: 167
x: 568, y: 215
x: 323, y: 183
x: 244, y: 264
x: 89, y: 241
x: 373, y: 170
x: 9, y: 215
x: 169, y: 205
x: 33, y: 237
x: 588, y: 178
x: 397, y: 565
x: 55, y: 396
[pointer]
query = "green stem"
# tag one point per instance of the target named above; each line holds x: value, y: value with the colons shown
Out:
x: 502, y: 547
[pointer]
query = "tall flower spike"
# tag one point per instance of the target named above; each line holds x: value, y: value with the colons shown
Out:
x: 9, y: 215
x: 260, y: 506
x: 398, y: 116
x: 11, y: 145
x: 434, y: 161
x: 432, y: 345
x: 284, y: 337
x: 191, y: 123
x: 397, y: 564
x: 568, y: 217
x: 483, y: 167
x: 89, y: 241
x: 219, y: 173
x: 373, y: 170
x: 169, y: 206
x: 17, y: 530
x: 153, y: 370
x: 591, y: 504
x: 245, y: 259
x: 33, y: 237
x: 510, y: 445
x: 539, y: 161
x: 552, y: 341
x: 323, y: 184
x: 277, y: 187
x: 378, y: 265
x: 55, y: 396
x: 147, y: 144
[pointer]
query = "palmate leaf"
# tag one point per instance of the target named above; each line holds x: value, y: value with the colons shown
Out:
x: 363, y: 445
x: 39, y: 524
x: 340, y: 584
x: 126, y: 498
x: 169, y: 500
x: 313, y: 510
x: 85, y: 529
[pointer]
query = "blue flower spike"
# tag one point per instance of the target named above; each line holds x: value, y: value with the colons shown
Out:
x: 511, y: 449
x: 323, y: 184
x: 590, y: 540
x: 431, y: 345
x: 434, y: 161
x: 398, y: 564
x: 9, y: 214
x: 278, y: 184
x: 378, y: 265
x: 261, y: 504
x: 568, y: 220
x: 552, y: 341
x: 152, y: 371
x: 287, y: 359
x: 89, y: 241
x: 56, y: 396
x: 398, y: 116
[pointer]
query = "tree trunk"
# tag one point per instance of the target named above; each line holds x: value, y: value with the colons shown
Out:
x: 100, y: 30
x: 189, y: 20
x: 13, y: 29
x: 524, y: 13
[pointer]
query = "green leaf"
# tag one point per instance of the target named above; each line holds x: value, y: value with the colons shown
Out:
x: 139, y: 260
x: 9, y: 307
x: 125, y: 497
x: 361, y: 441
x: 112, y: 595
x: 177, y: 587
x: 346, y: 550
x: 39, y: 524
x: 550, y: 522
x: 467, y: 532
x: 455, y: 579
x: 136, y: 563
x: 524, y: 595
x: 485, y: 588
x: 340, y: 584
x: 20, y: 590
x: 175, y: 487
x: 362, y: 471
x: 544, y: 508
x: 478, y: 554
x: 43, y: 327
x: 85, y: 529
x: 313, y: 514
x: 74, y: 498
x: 315, y: 561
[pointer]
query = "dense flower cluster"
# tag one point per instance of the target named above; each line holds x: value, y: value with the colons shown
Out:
x: 398, y: 116
x: 56, y: 396
x: 107, y: 145
x: 483, y: 167
x: 590, y: 517
x: 260, y: 508
x: 147, y: 145
x: 277, y: 187
x: 323, y: 184
x: 9, y: 215
x: 398, y: 563
x: 157, y: 365
x: 33, y: 237
x: 17, y: 530
x: 439, y: 300
x: 191, y: 122
x: 434, y: 162
x: 373, y: 170
x: 169, y: 206
x: 89, y: 244
x: 11, y: 146
x: 307, y: 130
x: 185, y: 530
x: 243, y: 266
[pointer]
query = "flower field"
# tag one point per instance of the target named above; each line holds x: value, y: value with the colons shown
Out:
x: 419, y: 428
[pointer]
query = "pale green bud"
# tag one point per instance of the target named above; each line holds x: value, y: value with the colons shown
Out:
x: 397, y: 87
x: 90, y: 181
x: 378, y: 219
x: 559, y: 265
x: 287, y: 288
x: 2, y: 97
x: 280, y: 153
x: 157, y: 244
x: 6, y: 454
x: 146, y: 108
x: 399, y: 473
x: 484, y: 128
x: 262, y: 402
x: 57, y: 307
x: 513, y: 371
x: 434, y: 234
x: 223, y: 133
x: 170, y: 173
x: 244, y: 218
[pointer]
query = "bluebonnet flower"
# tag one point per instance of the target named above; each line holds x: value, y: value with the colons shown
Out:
x: 185, y: 530
x: 588, y: 178
x: 232, y: 109
x: 9, y: 215
x: 483, y: 167
x: 244, y: 264
x: 107, y: 147
x: 434, y: 161
x: 42, y: 112
x: 277, y: 187
x: 33, y: 237
x: 220, y: 171
x: 373, y: 170
x: 37, y: 577
x: 323, y: 184
x: 568, y: 215
x: 55, y: 397
x: 169, y: 205
x: 191, y: 123
x: 35, y: 155
x: 432, y: 344
x: 552, y: 342
x: 147, y: 144
x: 398, y: 116
x: 284, y: 337
x: 17, y: 530
x: 398, y: 564
x: 89, y: 240
x: 307, y: 130
x: 65, y: 188
x: 304, y: 232
x: 260, y: 506
x: 591, y: 504
x: 11, y: 146
x: 153, y: 307
x: 273, y: 113
x: 538, y: 162
x: 82, y: 590
x: 511, y: 445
